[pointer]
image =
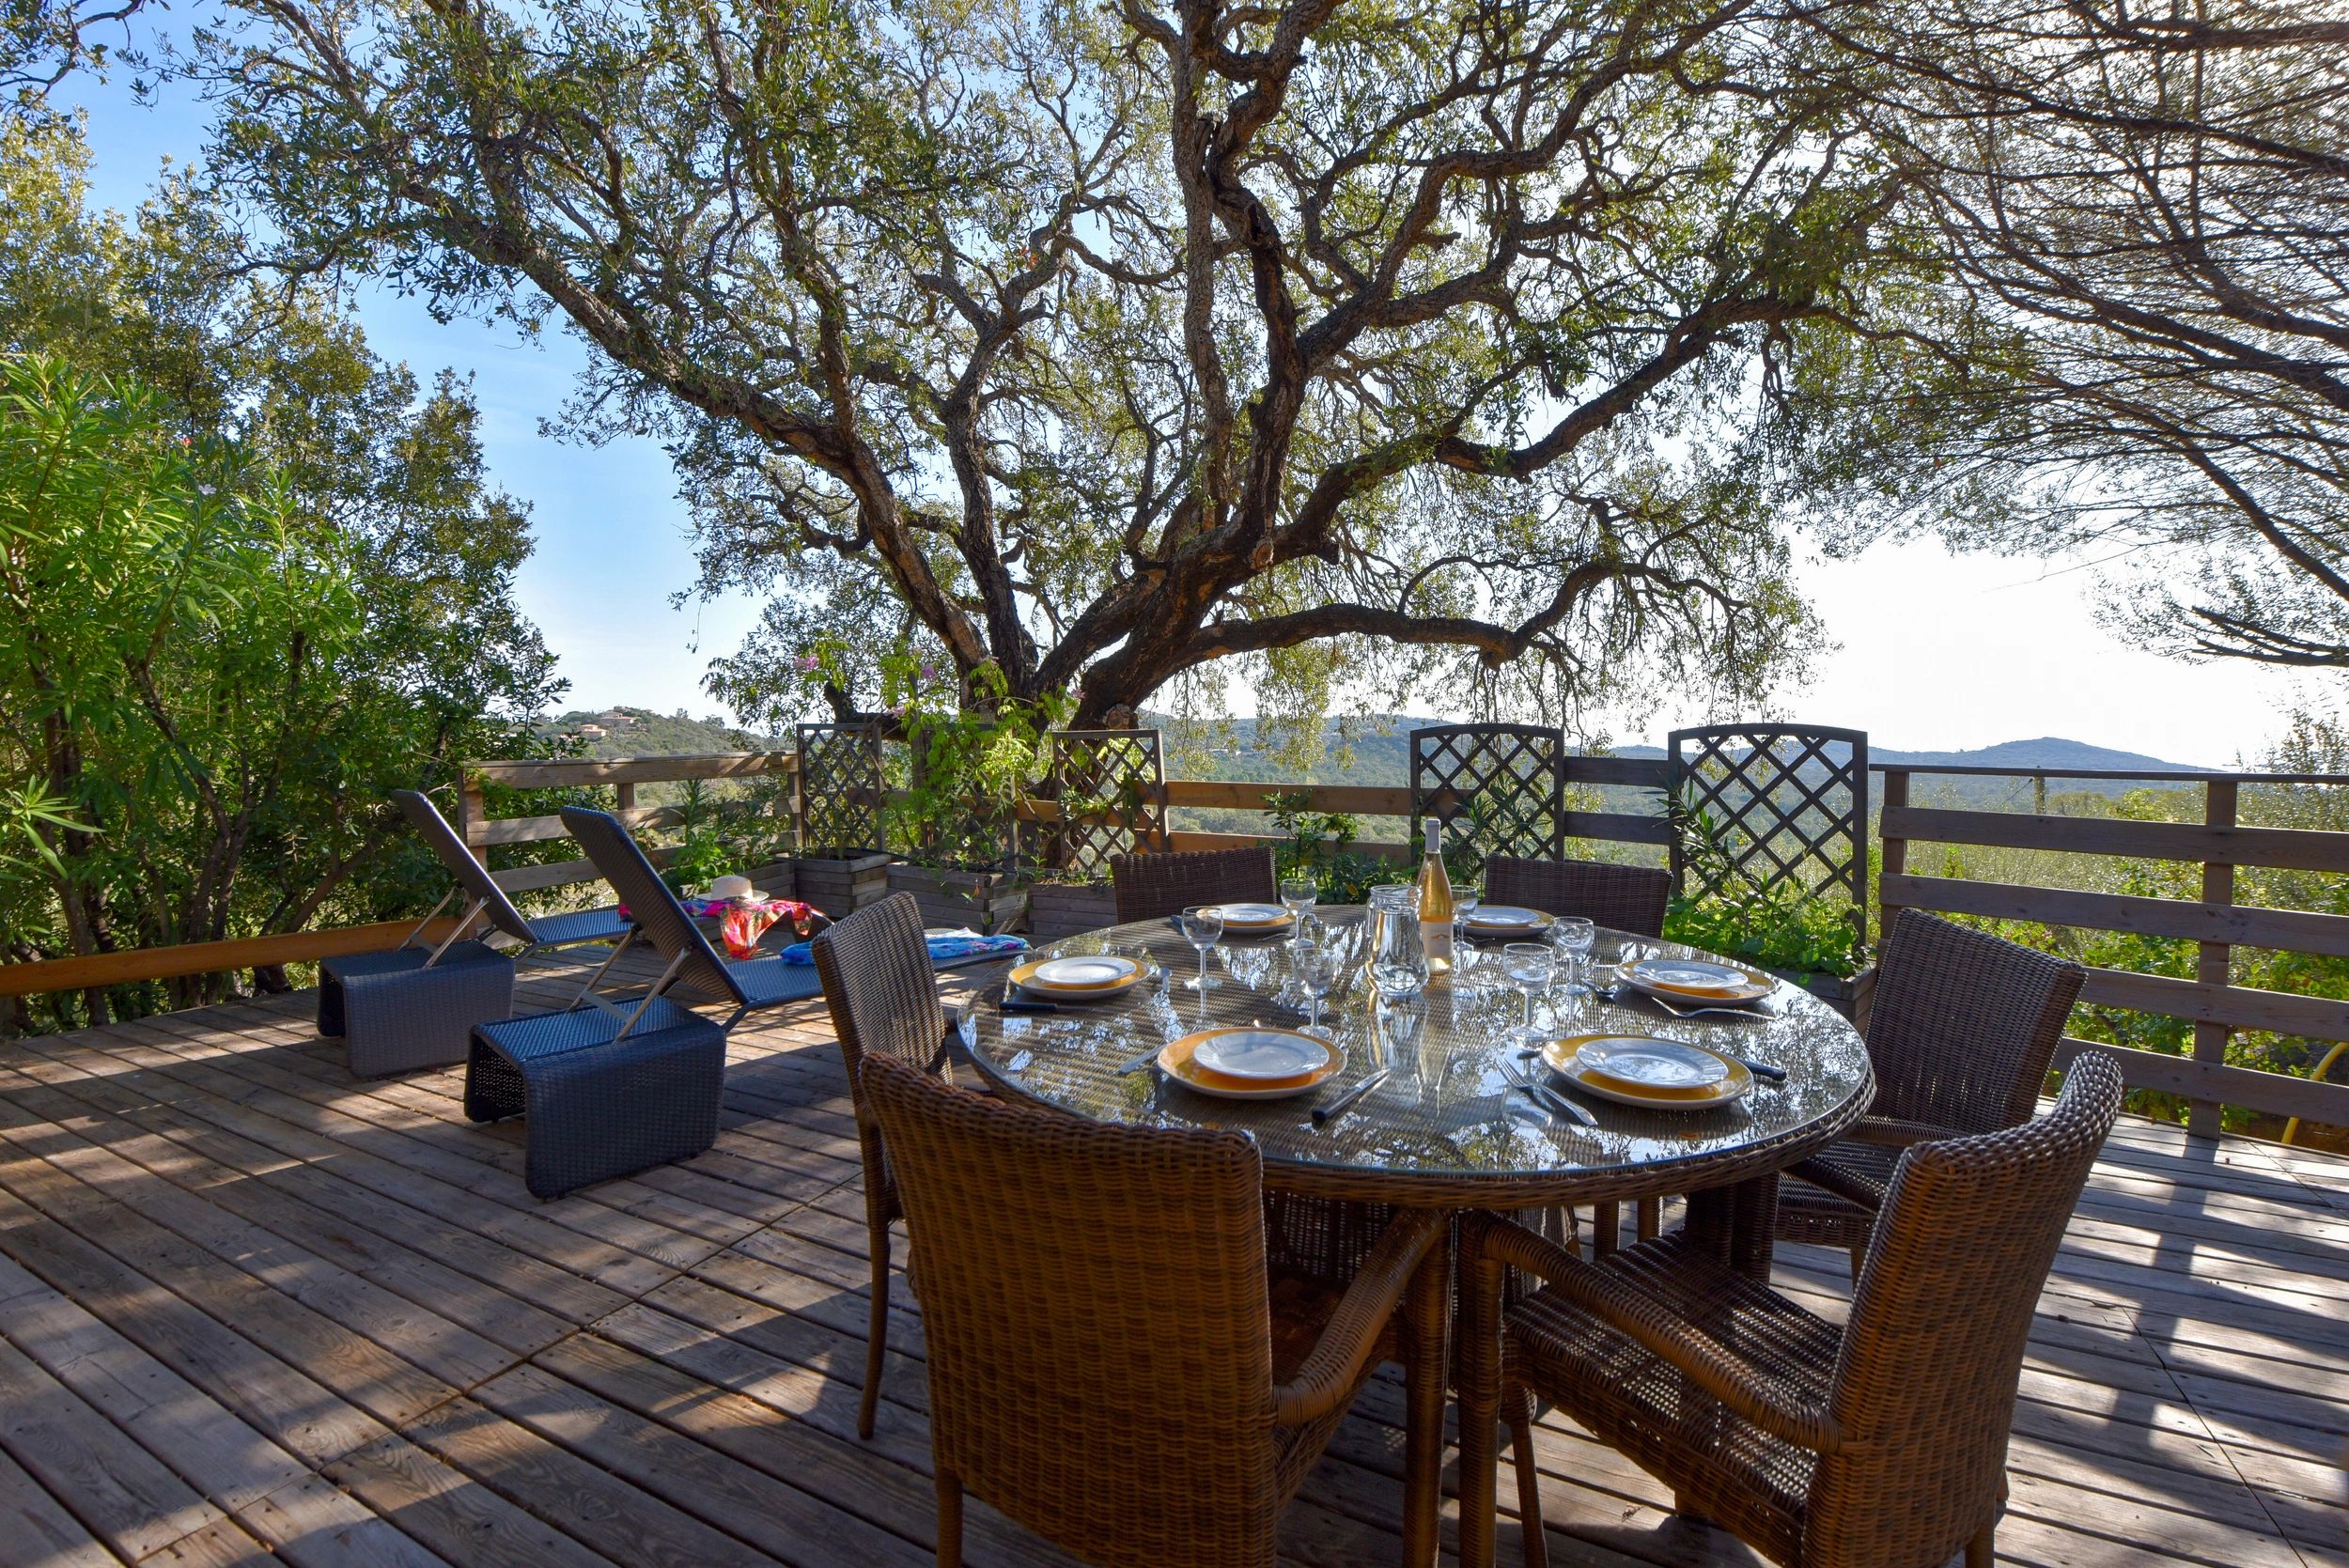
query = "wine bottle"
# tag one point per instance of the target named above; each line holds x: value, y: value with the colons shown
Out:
x: 1435, y: 902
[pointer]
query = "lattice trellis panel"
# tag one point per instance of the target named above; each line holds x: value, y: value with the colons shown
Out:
x: 1123, y: 770
x: 841, y: 789
x: 1501, y: 784
x: 1791, y: 804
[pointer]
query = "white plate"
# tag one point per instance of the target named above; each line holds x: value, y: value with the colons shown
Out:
x: 1665, y: 1066
x: 1245, y: 915
x: 1178, y: 1062
x: 1087, y: 973
x: 1260, y: 1053
x: 1564, y: 1057
x: 1505, y: 917
x: 1696, y: 980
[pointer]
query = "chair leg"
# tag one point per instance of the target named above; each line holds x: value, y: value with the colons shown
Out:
x: 1519, y: 1410
x: 949, y: 1519
x: 1650, y: 1222
x: 1605, y: 1228
x: 1427, y: 1376
x: 1982, y: 1550
x: 877, y: 1330
x: 1859, y: 1256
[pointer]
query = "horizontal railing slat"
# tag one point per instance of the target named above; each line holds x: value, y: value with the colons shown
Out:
x: 2237, y: 925
x: 1242, y: 795
x: 1636, y: 772
x: 2236, y: 1006
x: 172, y: 963
x: 2291, y: 849
x: 541, y: 829
x: 2270, y: 1094
x: 567, y: 773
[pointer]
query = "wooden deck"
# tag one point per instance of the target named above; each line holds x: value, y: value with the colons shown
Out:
x: 253, y: 1310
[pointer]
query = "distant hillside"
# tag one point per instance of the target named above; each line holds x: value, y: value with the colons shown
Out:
x: 639, y: 732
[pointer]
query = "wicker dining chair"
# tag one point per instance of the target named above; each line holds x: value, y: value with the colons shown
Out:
x: 1963, y: 1030
x: 1112, y: 1362
x: 1620, y: 897
x: 875, y: 965
x: 1878, y: 1445
x: 1151, y: 887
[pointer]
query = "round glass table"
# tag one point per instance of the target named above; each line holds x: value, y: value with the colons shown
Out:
x: 1447, y: 1126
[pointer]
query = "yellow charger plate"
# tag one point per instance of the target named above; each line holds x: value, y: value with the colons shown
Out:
x: 1175, y: 1060
x: 1026, y: 977
x: 1564, y: 1057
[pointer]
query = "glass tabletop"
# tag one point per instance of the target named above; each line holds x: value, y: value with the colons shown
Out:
x: 1448, y: 1122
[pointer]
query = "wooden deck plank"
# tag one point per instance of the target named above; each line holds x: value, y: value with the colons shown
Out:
x: 206, y: 1226
x: 37, y: 1528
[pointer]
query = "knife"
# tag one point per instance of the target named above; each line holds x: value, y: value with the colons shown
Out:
x: 1324, y: 1114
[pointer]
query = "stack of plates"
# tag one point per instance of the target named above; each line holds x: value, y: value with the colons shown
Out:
x: 1657, y: 1075
x: 1696, y: 980
x: 1078, y: 979
x: 1250, y: 1062
x: 1506, y: 920
x: 1254, y: 920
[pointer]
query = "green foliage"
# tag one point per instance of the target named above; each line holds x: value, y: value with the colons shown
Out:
x: 1772, y: 923
x: 1319, y: 844
x: 250, y: 578
x: 976, y: 752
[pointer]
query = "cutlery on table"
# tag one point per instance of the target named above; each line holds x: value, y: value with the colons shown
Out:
x: 1324, y: 1114
x: 1619, y: 995
x: 1548, y: 1098
x: 1137, y: 1063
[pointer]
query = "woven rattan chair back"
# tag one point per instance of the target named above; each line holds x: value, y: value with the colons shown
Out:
x: 1097, y: 1319
x: 1151, y: 887
x: 650, y: 904
x: 458, y: 861
x: 1924, y: 1393
x: 879, y: 984
x: 1620, y: 897
x: 1963, y: 1024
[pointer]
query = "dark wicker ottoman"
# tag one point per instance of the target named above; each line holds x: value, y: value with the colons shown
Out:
x: 599, y: 1107
x: 395, y: 1016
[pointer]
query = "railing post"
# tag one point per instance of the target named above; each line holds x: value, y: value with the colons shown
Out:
x: 624, y: 799
x: 473, y: 817
x: 1895, y: 860
x: 2211, y: 966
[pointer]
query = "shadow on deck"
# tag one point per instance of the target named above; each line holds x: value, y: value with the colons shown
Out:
x: 251, y: 1306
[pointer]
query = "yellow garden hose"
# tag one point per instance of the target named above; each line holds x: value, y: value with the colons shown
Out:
x: 2330, y: 1057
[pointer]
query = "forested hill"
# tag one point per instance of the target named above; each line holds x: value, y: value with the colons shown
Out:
x: 639, y: 732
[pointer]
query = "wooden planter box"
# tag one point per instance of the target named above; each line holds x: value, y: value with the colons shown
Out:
x: 1850, y: 998
x: 1057, y: 910
x: 776, y: 879
x: 842, y: 887
x: 988, y: 902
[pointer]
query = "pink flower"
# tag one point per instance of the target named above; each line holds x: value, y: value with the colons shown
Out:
x: 929, y: 671
x: 809, y: 662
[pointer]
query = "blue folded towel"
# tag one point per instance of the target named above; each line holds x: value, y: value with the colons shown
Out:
x: 942, y: 948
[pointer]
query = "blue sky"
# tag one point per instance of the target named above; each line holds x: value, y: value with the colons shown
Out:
x: 1937, y: 652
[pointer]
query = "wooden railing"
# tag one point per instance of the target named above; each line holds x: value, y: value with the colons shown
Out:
x: 2216, y: 923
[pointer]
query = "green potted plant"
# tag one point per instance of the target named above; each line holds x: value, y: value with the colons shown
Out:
x: 1775, y: 923
x: 975, y: 756
x: 1066, y: 897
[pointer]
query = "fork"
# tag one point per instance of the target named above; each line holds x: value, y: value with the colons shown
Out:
x: 1542, y: 1094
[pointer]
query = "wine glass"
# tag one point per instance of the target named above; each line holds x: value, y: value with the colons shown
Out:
x: 1203, y: 928
x: 1530, y: 967
x: 1573, y: 936
x: 1317, y: 968
x: 1465, y: 955
x: 1298, y: 895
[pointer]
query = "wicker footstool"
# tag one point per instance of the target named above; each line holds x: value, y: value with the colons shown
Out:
x: 395, y: 1016
x: 599, y: 1107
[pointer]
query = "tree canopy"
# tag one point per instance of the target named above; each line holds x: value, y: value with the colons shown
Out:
x: 1439, y: 343
x: 251, y: 578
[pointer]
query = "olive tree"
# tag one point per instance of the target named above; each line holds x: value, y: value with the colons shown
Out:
x: 1350, y: 341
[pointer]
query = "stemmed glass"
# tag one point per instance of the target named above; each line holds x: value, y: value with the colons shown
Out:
x: 1299, y: 895
x: 1316, y: 966
x: 1573, y: 936
x: 1203, y: 928
x: 1465, y: 953
x: 1530, y: 967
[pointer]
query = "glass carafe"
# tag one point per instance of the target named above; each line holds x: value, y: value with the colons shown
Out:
x: 1398, y: 962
